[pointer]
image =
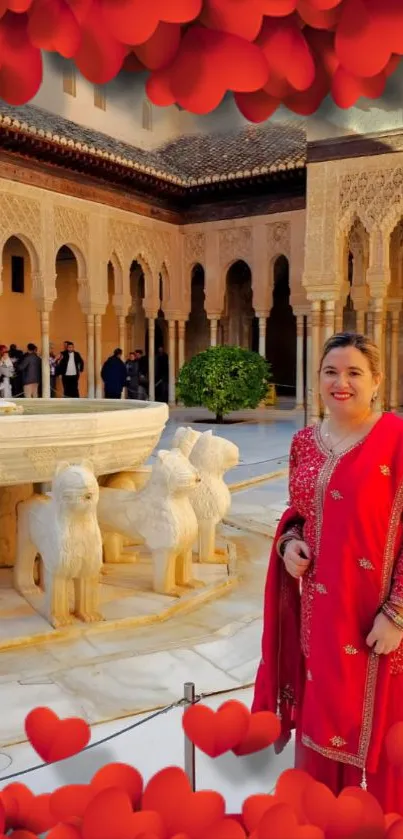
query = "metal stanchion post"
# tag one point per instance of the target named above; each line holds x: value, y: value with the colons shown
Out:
x: 190, y: 752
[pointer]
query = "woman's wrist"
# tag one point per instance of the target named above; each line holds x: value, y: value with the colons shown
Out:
x: 295, y: 533
x: 393, y: 614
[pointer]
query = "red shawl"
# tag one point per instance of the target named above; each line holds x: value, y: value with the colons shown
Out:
x: 359, y: 503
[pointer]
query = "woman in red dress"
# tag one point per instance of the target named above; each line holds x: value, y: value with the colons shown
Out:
x: 332, y: 657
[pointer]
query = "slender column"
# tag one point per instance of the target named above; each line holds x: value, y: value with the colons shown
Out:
x: 213, y: 332
x: 309, y: 359
x: 90, y: 356
x: 151, y: 359
x: 360, y: 322
x: 300, y: 362
x: 262, y: 335
x: 181, y: 343
x: 378, y: 319
x: 394, y: 362
x: 328, y: 320
x: 338, y: 321
x: 98, y: 355
x: 171, y: 355
x: 122, y: 333
x: 315, y: 357
x: 45, y: 354
x: 370, y: 325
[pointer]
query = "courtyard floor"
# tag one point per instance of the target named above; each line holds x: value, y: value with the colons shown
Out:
x: 109, y: 676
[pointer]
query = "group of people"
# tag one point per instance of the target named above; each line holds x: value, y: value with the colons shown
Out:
x: 132, y: 375
x: 21, y: 372
x: 332, y: 646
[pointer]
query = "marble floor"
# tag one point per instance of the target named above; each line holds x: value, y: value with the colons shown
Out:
x: 106, y: 676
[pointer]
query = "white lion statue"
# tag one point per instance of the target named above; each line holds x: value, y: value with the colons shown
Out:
x: 63, y: 528
x: 211, y: 498
x: 163, y: 516
x: 184, y: 439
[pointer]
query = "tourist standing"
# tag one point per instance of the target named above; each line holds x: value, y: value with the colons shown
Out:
x: 132, y: 374
x: 53, y: 374
x: 332, y: 656
x: 143, y: 374
x: 114, y: 375
x: 31, y: 370
x: 70, y: 367
x: 16, y: 356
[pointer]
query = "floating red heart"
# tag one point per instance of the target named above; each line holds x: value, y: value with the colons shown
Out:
x: 216, y: 732
x: 54, y: 739
x: 263, y: 730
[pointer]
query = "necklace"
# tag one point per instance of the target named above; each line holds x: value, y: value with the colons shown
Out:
x: 328, y: 437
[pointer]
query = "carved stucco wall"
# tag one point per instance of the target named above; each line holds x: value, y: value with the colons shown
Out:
x: 46, y: 221
x: 258, y: 241
x: 97, y: 234
x: 341, y: 192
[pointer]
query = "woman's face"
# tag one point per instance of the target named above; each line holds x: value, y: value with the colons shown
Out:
x: 346, y: 382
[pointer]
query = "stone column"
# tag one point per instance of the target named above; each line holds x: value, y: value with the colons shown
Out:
x: 214, y: 318
x: 262, y: 332
x: 338, y: 321
x: 45, y: 354
x: 309, y: 359
x: 172, y: 357
x: 328, y: 320
x: 98, y: 356
x: 151, y: 357
x: 122, y: 333
x: 299, y: 402
x: 90, y: 356
x: 394, y: 361
x: 360, y: 322
x: 315, y: 357
x: 181, y: 343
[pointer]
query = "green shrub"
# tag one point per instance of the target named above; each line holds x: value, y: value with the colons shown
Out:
x: 224, y: 379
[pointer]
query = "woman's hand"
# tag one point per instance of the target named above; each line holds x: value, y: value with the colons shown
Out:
x: 297, y: 558
x: 384, y: 637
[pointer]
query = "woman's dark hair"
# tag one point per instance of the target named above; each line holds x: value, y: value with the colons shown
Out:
x: 360, y: 342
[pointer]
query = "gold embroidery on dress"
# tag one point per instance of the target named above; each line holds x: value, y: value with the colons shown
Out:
x: 350, y: 650
x: 320, y: 588
x: 336, y: 495
x: 338, y: 742
x: 365, y: 563
x: 385, y: 470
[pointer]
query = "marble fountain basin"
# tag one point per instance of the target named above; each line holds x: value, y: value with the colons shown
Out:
x: 114, y: 435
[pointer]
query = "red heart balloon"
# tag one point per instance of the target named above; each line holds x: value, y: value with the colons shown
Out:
x: 395, y: 831
x: 318, y: 802
x: 216, y: 732
x: 263, y: 730
x: 279, y: 822
x: 54, y: 739
x: 71, y: 800
x: 256, y: 107
x: 122, y: 776
x: 38, y: 817
x: 226, y: 829
x: 254, y: 809
x: 17, y: 800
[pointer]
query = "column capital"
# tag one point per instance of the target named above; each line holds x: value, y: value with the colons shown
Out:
x: 174, y: 315
x: 214, y: 315
x: 121, y: 303
x: 45, y: 304
x: 94, y: 308
x: 263, y: 313
x: 151, y: 314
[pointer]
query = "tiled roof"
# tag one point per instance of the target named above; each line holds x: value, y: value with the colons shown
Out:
x: 189, y: 160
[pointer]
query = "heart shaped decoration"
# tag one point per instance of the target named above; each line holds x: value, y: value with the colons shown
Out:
x: 120, y: 775
x: 71, y: 800
x: 216, y: 732
x: 54, y: 739
x: 263, y: 730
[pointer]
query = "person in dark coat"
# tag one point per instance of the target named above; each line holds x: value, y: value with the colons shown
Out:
x: 114, y: 375
x: 132, y: 374
x: 70, y: 365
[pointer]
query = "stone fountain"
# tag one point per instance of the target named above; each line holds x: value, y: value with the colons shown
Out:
x: 38, y: 437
